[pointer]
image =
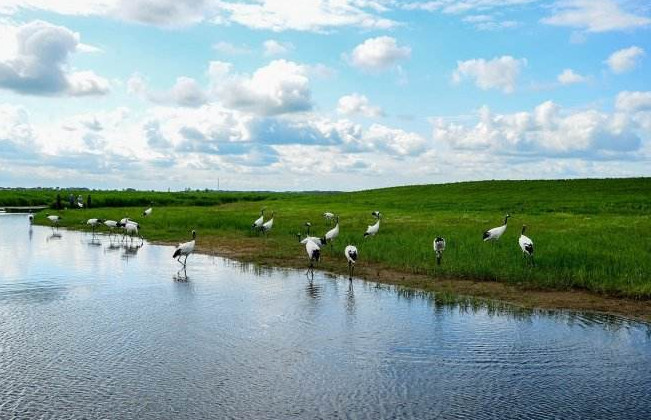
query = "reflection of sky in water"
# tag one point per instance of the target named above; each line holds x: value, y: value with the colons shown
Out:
x: 106, y: 325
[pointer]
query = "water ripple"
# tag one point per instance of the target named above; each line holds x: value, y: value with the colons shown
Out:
x: 92, y: 328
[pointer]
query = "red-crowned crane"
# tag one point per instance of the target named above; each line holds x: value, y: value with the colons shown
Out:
x: 372, y: 230
x: 495, y: 233
x: 526, y: 244
x: 351, y: 256
x: 185, y: 249
x: 266, y: 226
x: 257, y: 224
x: 313, y: 253
x: 93, y: 223
x: 54, y: 219
x: 439, y: 247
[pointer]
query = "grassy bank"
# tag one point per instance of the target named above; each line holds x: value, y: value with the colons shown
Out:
x: 592, y: 235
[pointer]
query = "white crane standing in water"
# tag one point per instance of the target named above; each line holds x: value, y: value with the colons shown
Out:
x: 185, y: 249
x: 132, y: 229
x: 313, y: 253
x: 30, y: 217
x: 93, y: 223
x: 54, y: 219
x: 495, y: 233
x: 439, y: 247
x: 526, y: 244
x: 351, y: 255
x: 111, y: 224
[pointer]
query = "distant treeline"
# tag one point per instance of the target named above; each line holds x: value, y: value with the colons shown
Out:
x: 103, y: 198
x: 579, y: 196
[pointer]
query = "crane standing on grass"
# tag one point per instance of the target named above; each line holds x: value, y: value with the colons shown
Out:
x: 439, y: 247
x: 257, y: 224
x: 372, y: 230
x: 495, y: 233
x: 266, y: 226
x: 332, y: 233
x: 526, y: 244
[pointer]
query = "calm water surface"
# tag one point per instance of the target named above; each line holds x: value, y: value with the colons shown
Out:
x: 93, y: 329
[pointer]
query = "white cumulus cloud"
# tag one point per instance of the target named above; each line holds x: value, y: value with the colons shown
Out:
x: 633, y: 101
x: 549, y: 130
x: 275, y: 48
x: 569, y: 77
x: 277, y: 88
x: 498, y: 73
x: 376, y: 54
x: 357, y: 104
x: 305, y: 15
x: 625, y: 60
x: 186, y: 91
x: 37, y: 62
x: 595, y: 16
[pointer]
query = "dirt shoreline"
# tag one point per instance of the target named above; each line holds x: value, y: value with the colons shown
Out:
x: 577, y: 300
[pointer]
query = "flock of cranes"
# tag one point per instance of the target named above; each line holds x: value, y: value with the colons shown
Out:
x: 313, y: 244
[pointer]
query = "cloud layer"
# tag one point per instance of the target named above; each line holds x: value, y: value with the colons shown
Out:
x: 498, y: 73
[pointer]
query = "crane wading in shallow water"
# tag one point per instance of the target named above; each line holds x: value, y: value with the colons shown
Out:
x: 351, y: 255
x: 313, y: 253
x: 495, y: 233
x: 111, y: 224
x: 93, y: 223
x: 185, y: 249
x: 54, y: 219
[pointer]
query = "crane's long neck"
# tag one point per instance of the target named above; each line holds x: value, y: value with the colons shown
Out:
x: 523, y: 229
x: 506, y: 220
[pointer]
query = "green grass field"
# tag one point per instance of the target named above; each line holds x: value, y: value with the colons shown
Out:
x: 588, y: 234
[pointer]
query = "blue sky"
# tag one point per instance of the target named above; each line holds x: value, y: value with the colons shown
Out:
x: 318, y: 94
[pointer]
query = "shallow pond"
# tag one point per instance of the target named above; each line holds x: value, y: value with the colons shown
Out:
x: 94, y: 328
